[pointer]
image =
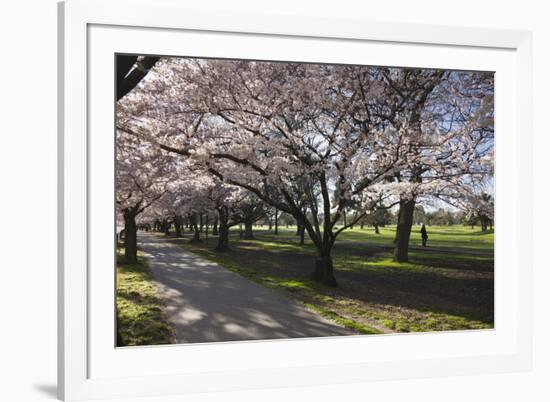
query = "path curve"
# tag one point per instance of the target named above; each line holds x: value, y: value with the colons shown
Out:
x: 207, y: 303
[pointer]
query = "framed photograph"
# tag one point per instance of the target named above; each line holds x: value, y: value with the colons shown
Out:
x: 256, y: 201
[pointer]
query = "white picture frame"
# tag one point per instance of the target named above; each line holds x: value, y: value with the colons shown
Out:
x: 89, y: 365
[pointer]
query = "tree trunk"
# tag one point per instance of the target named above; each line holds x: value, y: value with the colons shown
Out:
x: 215, y: 227
x: 128, y: 78
x: 201, y: 223
x: 223, y: 238
x: 196, y: 234
x: 324, y: 270
x: 130, y: 237
x: 196, y: 231
x: 396, y: 228
x: 223, y: 230
x: 484, y: 222
x: 276, y: 222
x: 404, y: 226
x: 362, y: 225
x: 248, y: 230
x: 177, y: 226
x: 376, y: 229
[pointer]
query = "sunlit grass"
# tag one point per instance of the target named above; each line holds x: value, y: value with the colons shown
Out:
x: 140, y: 320
x: 343, y: 321
x: 439, y: 236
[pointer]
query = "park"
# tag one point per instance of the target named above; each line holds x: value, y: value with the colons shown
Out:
x: 266, y: 200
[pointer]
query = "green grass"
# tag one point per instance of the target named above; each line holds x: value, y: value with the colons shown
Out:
x: 140, y: 320
x: 344, y: 322
x: 439, y: 236
x: 446, y: 286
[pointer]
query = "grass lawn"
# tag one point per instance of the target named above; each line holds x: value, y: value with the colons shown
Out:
x: 446, y: 286
x: 140, y: 320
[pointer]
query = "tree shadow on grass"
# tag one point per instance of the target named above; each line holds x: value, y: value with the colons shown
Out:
x: 450, y: 282
x: 469, y: 297
x: 460, y: 287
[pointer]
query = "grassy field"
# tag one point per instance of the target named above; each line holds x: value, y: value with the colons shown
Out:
x: 446, y: 286
x: 139, y: 315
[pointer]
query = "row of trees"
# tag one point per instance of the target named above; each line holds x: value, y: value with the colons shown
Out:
x: 328, y: 145
x: 259, y: 214
x: 478, y: 213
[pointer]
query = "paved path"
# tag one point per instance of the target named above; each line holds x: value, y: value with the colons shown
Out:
x: 207, y: 303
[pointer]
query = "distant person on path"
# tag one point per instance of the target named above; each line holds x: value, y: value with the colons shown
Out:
x: 424, y: 234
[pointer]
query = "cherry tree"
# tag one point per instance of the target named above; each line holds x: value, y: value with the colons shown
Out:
x: 141, y: 177
x: 480, y: 207
x: 376, y: 218
x: 206, y: 195
x: 440, y: 125
x: 199, y: 192
x: 250, y: 210
x: 233, y: 206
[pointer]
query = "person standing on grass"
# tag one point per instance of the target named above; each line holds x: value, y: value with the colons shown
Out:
x: 424, y: 234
